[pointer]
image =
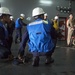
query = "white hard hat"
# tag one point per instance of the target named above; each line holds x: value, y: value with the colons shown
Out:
x: 22, y: 15
x: 4, y: 10
x: 45, y: 14
x: 56, y: 17
x: 11, y: 17
x: 37, y: 11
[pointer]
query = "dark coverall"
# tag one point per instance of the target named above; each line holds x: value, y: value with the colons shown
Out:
x: 10, y: 28
x: 25, y: 38
x: 4, y: 46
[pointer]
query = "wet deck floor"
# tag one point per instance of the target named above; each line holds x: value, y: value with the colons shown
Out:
x: 64, y: 63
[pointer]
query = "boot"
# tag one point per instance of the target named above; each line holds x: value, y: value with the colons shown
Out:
x: 49, y: 60
x: 23, y: 59
x: 10, y: 57
x: 35, y: 61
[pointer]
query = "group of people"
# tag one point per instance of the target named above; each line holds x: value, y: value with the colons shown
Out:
x: 41, y: 35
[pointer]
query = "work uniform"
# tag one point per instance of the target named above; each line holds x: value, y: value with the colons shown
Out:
x: 25, y: 38
x: 18, y: 26
x: 55, y: 30
x: 4, y: 47
x: 55, y: 25
x: 10, y: 28
x: 70, y: 31
x: 40, y: 40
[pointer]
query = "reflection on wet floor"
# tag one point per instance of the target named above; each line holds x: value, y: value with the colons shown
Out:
x: 64, y: 63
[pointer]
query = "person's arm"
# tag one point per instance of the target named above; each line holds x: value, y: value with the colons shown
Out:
x: 22, y: 23
x: 68, y: 24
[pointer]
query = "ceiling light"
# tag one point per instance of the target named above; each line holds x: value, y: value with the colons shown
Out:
x: 1, y: 1
x: 47, y: 2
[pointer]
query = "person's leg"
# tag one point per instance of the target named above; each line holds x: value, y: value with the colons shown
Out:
x: 49, y: 58
x: 16, y: 36
x: 20, y: 34
x: 69, y: 37
x: 4, y: 52
x: 9, y: 47
x: 23, y: 44
x: 35, y: 59
x: 21, y: 51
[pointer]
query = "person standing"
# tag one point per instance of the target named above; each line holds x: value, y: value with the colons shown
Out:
x: 18, y: 26
x: 10, y: 28
x: 5, y: 52
x: 55, y: 23
x: 70, y: 29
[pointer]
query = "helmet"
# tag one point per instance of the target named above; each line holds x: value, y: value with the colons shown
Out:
x: 56, y: 17
x: 4, y: 10
x: 45, y: 14
x: 37, y: 11
x: 11, y: 17
x: 22, y: 15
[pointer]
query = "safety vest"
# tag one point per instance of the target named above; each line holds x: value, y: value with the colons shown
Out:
x: 55, y: 25
x: 17, y: 24
x: 39, y: 36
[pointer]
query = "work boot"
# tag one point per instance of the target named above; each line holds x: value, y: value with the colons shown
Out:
x: 49, y: 60
x: 21, y: 59
x: 10, y: 57
x: 35, y: 61
x: 16, y: 61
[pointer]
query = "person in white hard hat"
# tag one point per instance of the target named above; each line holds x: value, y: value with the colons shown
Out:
x: 18, y: 26
x: 55, y: 23
x: 5, y: 51
x: 45, y: 16
x: 12, y: 23
x: 38, y: 15
x: 56, y: 17
x: 40, y: 41
x: 55, y: 28
x: 10, y: 28
x: 11, y: 17
x: 22, y: 16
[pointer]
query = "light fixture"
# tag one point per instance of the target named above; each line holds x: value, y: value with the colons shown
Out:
x: 45, y: 2
x: 63, y: 9
x: 1, y: 1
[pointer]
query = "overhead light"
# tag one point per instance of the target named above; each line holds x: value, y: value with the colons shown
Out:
x: 46, y: 2
x: 1, y: 1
